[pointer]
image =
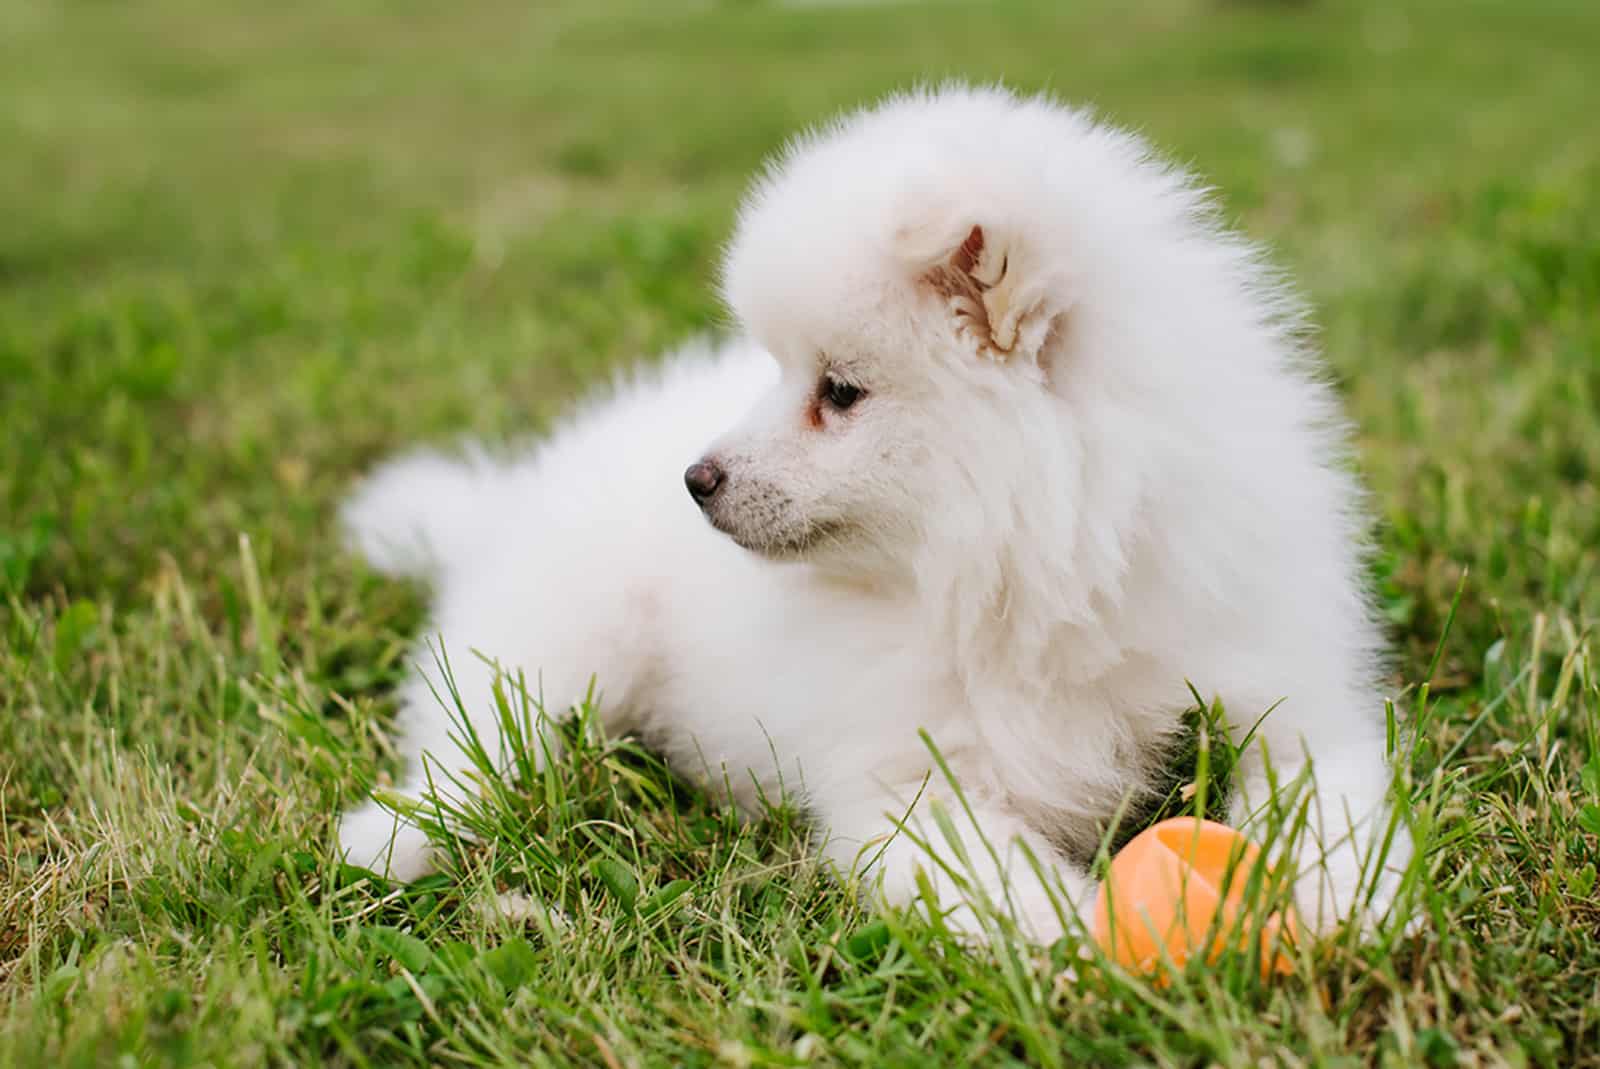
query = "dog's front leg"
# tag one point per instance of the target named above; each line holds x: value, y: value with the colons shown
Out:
x: 978, y: 856
x: 1333, y: 811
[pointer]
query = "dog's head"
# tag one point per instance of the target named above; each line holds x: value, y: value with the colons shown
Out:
x: 916, y: 272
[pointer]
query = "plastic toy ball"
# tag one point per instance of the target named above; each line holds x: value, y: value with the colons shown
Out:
x: 1161, y: 900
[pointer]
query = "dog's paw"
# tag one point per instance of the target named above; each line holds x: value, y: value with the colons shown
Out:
x: 373, y: 838
x: 979, y: 920
x: 1038, y: 907
x: 1339, y: 892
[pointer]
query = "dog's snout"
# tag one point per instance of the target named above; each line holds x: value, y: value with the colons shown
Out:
x: 704, y: 478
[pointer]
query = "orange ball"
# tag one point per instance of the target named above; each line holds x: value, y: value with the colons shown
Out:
x: 1165, y: 891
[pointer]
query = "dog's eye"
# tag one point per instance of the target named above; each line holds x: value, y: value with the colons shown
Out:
x: 840, y: 394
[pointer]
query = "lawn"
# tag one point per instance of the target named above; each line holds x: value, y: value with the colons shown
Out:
x: 246, y: 250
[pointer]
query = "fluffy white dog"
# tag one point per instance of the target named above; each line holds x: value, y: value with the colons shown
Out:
x: 1017, y: 445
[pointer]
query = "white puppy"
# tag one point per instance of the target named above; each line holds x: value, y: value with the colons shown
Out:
x: 1021, y: 443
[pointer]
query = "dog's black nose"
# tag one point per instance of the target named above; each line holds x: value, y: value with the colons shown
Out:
x: 704, y: 478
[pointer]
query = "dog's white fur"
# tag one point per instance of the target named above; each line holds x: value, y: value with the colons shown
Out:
x: 1092, y: 463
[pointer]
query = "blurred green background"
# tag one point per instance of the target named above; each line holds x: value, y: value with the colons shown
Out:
x: 247, y: 249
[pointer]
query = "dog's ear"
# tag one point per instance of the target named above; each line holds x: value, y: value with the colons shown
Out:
x: 983, y: 281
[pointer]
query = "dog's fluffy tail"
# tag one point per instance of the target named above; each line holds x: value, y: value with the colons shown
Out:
x: 416, y: 513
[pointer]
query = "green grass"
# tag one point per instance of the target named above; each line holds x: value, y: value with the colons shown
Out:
x: 247, y: 249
